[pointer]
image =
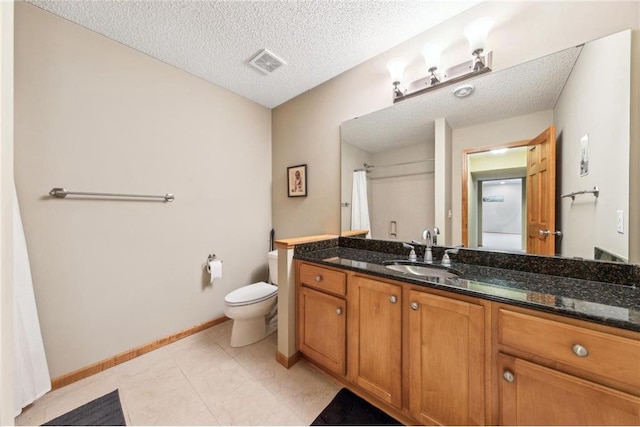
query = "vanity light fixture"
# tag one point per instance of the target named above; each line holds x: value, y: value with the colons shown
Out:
x: 476, y: 33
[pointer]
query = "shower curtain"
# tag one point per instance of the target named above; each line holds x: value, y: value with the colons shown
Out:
x: 359, y: 203
x: 31, y: 379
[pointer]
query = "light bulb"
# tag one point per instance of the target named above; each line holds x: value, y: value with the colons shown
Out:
x: 396, y: 69
x: 477, y: 31
x: 431, y: 53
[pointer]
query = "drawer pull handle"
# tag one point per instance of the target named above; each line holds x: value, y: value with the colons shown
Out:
x: 339, y: 311
x: 318, y: 278
x: 414, y: 306
x: 508, y: 376
x: 580, y: 351
x: 393, y: 299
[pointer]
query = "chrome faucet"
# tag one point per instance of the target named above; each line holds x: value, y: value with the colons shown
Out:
x: 446, y: 261
x: 436, y: 231
x: 428, y: 255
x: 426, y: 235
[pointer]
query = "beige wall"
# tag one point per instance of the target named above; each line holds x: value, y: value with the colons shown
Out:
x: 305, y: 129
x: 7, y: 409
x: 634, y: 148
x: 403, y: 194
x: 94, y: 115
x: 599, y: 108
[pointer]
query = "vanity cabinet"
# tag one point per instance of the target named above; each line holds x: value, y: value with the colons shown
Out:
x: 428, y: 356
x: 446, y: 360
x: 552, y: 372
x: 322, y: 316
x: 375, y: 338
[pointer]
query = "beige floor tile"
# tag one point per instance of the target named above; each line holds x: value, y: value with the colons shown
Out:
x: 162, y: 395
x: 200, y: 380
x: 301, y: 388
x: 251, y: 404
x: 221, y: 332
x: 34, y: 414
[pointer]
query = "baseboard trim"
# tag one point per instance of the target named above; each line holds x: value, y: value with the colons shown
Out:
x: 110, y: 362
x: 288, y: 362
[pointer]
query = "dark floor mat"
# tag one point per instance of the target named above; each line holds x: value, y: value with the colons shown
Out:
x: 103, y: 411
x: 347, y: 409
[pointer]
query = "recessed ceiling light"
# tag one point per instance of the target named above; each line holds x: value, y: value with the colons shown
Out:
x: 462, y: 91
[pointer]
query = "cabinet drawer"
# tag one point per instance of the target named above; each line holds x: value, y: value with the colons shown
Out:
x: 323, y: 279
x: 606, y: 355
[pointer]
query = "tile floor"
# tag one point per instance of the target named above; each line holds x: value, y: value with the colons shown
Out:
x: 200, y: 380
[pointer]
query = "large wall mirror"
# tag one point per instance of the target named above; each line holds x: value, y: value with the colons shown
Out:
x: 388, y: 156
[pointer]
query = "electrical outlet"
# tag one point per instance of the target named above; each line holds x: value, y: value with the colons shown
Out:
x: 620, y: 221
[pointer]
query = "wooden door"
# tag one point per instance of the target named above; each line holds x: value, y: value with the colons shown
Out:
x: 375, y: 338
x: 541, y: 193
x: 534, y: 395
x: 446, y: 360
x: 322, y: 329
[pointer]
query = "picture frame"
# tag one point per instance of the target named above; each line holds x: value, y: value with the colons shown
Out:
x: 297, y: 181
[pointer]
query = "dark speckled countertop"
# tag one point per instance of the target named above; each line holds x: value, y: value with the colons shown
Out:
x: 614, y: 304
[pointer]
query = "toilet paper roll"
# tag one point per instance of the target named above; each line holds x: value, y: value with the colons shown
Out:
x: 214, y: 267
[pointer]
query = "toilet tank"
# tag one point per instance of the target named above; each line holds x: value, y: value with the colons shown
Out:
x: 273, y: 266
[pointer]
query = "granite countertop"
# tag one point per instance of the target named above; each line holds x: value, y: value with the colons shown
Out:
x: 610, y: 304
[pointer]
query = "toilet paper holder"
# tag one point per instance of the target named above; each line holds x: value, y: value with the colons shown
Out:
x: 211, y: 257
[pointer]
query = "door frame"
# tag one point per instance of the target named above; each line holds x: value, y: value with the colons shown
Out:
x: 465, y: 180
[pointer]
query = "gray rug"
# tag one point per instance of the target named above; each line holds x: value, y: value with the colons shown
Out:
x: 103, y: 411
x: 348, y: 409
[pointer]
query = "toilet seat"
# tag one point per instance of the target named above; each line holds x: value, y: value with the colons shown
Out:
x: 250, y: 294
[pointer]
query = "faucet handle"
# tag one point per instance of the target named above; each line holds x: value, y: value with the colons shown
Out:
x: 412, y: 254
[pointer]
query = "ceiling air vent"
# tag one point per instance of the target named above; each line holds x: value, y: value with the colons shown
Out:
x: 266, y: 62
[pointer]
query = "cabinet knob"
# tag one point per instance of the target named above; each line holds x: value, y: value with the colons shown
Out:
x: 414, y: 305
x: 393, y: 299
x: 579, y: 350
x: 508, y: 376
x: 318, y: 278
x: 338, y: 311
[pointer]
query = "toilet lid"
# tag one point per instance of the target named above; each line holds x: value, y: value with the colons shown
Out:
x: 251, y: 294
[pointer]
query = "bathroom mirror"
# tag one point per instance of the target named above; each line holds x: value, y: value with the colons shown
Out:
x: 507, y: 107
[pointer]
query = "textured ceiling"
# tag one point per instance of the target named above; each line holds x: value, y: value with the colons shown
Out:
x: 522, y: 89
x: 215, y: 40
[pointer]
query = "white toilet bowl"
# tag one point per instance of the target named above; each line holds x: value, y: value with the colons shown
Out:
x: 253, y: 308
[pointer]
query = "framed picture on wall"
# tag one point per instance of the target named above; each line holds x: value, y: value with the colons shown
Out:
x: 297, y: 179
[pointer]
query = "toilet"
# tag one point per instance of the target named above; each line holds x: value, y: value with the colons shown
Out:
x: 253, y: 308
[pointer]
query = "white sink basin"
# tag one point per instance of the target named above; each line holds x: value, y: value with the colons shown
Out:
x: 419, y: 270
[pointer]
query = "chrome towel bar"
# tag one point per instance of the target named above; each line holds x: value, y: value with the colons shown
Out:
x: 573, y: 195
x: 62, y: 193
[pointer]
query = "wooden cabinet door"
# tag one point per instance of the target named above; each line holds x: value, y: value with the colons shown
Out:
x: 322, y: 329
x: 446, y: 360
x: 534, y: 395
x: 541, y: 192
x: 375, y: 338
